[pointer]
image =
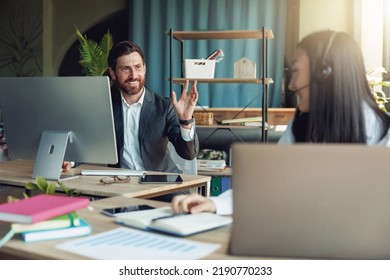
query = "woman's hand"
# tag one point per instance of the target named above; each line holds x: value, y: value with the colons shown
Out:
x: 193, y: 203
x: 66, y: 166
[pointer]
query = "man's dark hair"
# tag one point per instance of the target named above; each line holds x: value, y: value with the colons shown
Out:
x: 123, y: 48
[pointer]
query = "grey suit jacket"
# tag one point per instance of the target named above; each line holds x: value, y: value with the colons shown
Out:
x: 159, y: 124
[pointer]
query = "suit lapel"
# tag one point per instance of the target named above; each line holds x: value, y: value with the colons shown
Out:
x: 118, y: 115
x: 145, y: 114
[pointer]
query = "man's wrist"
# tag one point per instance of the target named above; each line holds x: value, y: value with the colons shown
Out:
x: 187, y: 122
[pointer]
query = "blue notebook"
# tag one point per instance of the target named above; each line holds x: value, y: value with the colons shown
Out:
x: 73, y: 231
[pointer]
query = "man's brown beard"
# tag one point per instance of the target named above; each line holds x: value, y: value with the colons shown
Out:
x: 131, y: 90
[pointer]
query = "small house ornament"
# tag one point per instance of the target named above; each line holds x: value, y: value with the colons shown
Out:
x: 244, y: 69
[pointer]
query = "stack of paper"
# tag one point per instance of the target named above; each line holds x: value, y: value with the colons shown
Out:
x: 45, y: 217
x: 211, y: 165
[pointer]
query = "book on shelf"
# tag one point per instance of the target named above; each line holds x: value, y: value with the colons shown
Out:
x: 66, y: 232
x: 62, y: 221
x: 163, y: 220
x: 211, y: 164
x: 242, y: 120
x: 255, y: 124
x: 40, y: 207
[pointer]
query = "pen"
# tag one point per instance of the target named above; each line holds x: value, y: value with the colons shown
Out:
x: 170, y: 216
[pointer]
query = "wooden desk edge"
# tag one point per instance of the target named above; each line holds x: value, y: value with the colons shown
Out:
x: 16, y: 173
x: 101, y: 223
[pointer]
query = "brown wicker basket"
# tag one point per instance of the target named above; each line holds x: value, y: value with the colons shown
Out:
x: 204, y: 118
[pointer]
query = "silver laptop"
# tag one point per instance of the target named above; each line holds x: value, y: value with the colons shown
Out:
x: 311, y: 201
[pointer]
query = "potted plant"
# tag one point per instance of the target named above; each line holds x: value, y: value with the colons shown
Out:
x: 42, y: 186
x: 93, y: 54
x: 376, y: 83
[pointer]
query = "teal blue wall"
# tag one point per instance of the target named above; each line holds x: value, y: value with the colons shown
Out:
x: 149, y: 20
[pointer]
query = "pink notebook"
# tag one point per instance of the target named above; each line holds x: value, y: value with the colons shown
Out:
x: 40, y: 207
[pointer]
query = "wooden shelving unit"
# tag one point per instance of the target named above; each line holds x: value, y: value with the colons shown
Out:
x: 264, y: 35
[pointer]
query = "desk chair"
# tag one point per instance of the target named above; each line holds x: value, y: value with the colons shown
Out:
x: 187, y: 166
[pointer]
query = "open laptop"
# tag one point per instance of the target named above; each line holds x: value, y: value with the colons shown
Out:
x: 311, y: 201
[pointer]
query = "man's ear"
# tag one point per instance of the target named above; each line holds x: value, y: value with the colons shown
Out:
x: 112, y: 73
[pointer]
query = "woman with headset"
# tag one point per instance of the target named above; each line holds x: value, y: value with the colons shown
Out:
x: 335, y: 105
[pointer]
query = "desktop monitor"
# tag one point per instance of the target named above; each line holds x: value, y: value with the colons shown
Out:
x: 56, y: 119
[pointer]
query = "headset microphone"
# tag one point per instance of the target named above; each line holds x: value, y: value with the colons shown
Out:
x: 292, y: 92
x: 301, y: 88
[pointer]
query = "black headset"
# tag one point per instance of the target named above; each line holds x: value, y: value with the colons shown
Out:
x: 324, y: 69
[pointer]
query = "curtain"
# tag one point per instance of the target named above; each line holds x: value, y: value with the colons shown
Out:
x: 150, y: 20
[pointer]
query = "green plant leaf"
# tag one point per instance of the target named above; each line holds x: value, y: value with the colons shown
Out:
x: 31, y: 186
x: 48, y: 187
x: 67, y: 191
x: 80, y: 36
x: 70, y: 192
x: 41, y: 183
x: 62, y: 186
x: 105, y: 45
x: 93, y: 55
x: 51, y: 188
x: 376, y: 83
x: 383, y: 84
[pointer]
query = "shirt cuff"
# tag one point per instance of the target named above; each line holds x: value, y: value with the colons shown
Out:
x: 224, y: 203
x: 188, y: 134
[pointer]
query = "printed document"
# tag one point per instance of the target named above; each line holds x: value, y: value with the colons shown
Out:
x: 131, y: 244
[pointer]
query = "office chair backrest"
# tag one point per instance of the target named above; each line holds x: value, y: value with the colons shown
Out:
x: 187, y: 166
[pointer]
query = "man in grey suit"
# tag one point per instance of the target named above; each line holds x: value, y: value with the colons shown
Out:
x: 144, y: 121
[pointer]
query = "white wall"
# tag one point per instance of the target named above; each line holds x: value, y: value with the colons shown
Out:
x: 361, y: 18
x: 318, y: 15
x: 369, y: 31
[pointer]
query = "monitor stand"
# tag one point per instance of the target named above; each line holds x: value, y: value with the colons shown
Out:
x: 50, y: 156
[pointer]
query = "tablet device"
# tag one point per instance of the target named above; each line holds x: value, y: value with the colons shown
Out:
x: 166, y: 179
x: 117, y: 210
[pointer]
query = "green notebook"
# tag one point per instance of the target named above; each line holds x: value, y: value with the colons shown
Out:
x: 72, y: 231
x: 54, y: 223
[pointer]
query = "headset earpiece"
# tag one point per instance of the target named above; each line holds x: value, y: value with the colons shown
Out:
x: 324, y: 69
x: 323, y: 72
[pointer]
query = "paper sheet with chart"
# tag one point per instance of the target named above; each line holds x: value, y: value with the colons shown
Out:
x: 127, y: 243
